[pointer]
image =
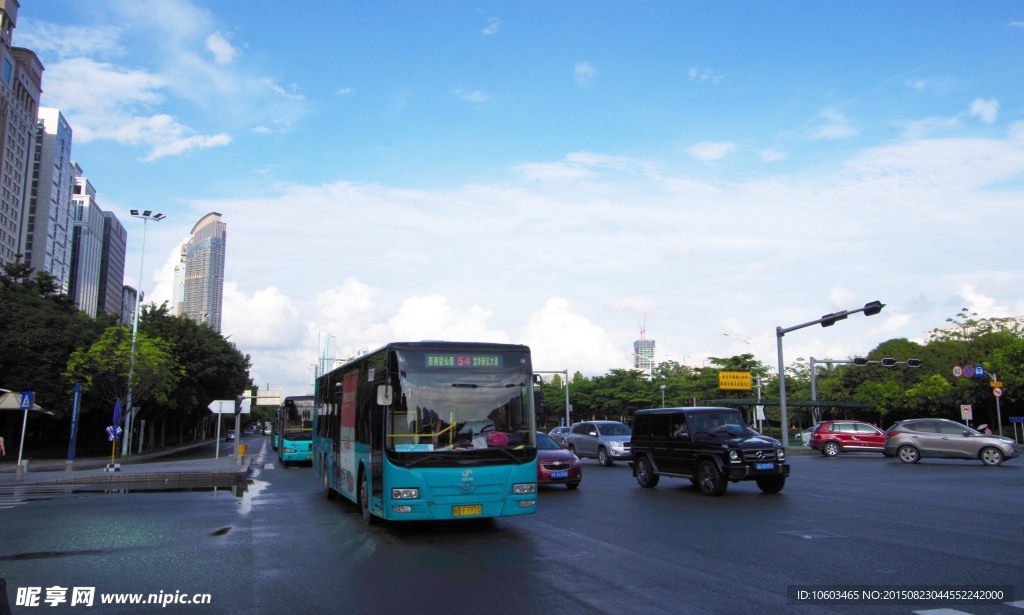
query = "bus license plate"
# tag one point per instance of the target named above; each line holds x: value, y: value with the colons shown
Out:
x: 465, y: 511
x: 766, y: 466
x: 560, y: 474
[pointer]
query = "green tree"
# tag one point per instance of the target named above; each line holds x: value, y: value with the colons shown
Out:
x: 39, y: 329
x: 103, y: 368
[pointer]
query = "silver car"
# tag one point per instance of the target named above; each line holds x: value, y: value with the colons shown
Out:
x: 915, y: 439
x: 606, y: 441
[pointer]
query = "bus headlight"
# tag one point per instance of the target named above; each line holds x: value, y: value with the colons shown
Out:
x: 524, y: 488
x: 405, y: 494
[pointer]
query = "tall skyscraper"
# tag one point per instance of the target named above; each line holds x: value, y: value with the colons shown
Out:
x: 46, y: 230
x: 643, y: 354
x: 86, y: 246
x: 21, y: 77
x: 203, y: 292
x: 115, y: 245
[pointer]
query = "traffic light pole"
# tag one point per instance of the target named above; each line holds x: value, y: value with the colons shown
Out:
x: 869, y: 309
x: 855, y: 361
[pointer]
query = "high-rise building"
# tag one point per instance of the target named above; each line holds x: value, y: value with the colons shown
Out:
x: 643, y: 354
x: 203, y: 295
x: 115, y: 245
x: 46, y: 229
x: 128, y: 305
x: 21, y: 77
x: 86, y: 246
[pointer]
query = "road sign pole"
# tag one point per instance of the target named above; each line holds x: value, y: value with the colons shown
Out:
x: 27, y: 398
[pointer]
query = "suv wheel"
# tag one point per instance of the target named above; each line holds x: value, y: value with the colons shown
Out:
x: 831, y: 449
x: 991, y: 456
x: 709, y: 479
x: 908, y: 454
x: 771, y: 484
x: 603, y: 458
x: 645, y: 473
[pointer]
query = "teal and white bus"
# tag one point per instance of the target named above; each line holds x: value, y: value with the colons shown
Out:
x: 294, y: 430
x: 430, y: 430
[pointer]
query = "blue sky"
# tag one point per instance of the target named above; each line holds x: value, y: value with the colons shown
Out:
x: 560, y: 174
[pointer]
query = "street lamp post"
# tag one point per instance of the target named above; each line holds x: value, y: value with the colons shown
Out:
x: 146, y: 216
x: 662, y: 395
x: 745, y: 339
x: 869, y: 309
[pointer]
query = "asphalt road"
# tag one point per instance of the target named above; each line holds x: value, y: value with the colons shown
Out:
x: 608, y: 547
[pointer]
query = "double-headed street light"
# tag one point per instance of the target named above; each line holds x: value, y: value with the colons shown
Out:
x: 869, y: 309
x: 146, y: 216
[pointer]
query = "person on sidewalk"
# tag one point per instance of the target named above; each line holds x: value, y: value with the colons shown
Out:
x: 3, y: 451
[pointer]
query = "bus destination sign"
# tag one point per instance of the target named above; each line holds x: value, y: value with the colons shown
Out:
x: 462, y: 360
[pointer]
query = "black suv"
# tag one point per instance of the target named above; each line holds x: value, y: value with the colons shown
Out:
x: 710, y: 446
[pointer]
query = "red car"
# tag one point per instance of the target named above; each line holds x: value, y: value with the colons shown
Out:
x: 556, y: 465
x: 834, y: 437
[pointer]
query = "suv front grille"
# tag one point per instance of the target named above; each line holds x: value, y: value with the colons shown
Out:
x: 761, y: 454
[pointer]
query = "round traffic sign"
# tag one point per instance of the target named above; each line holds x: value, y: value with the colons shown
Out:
x: 957, y: 371
x: 997, y: 392
x: 968, y: 371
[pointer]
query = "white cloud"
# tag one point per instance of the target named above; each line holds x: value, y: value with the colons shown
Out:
x: 835, y: 125
x: 153, y: 98
x: 985, y: 110
x: 220, y: 47
x: 493, y: 27
x: 264, y: 319
x: 584, y: 74
x: 710, y: 151
x: 475, y: 96
x: 703, y: 75
x: 772, y: 155
x: 560, y: 339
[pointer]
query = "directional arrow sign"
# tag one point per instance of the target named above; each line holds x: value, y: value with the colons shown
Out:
x: 226, y: 406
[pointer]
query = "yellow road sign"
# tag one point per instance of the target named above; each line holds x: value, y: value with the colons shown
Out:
x: 734, y: 381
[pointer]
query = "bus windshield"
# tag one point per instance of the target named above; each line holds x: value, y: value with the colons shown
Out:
x: 459, y: 403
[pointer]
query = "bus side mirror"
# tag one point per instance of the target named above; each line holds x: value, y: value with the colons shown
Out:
x: 384, y: 395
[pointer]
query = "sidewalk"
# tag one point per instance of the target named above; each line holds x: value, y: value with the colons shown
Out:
x: 141, y: 471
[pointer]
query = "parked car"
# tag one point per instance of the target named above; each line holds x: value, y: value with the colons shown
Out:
x: 606, y: 441
x: 916, y: 439
x: 834, y: 437
x: 709, y: 446
x: 556, y: 465
x: 558, y: 434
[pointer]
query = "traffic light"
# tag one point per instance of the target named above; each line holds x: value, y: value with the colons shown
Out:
x: 872, y: 308
x: 238, y: 403
x: 830, y: 319
x: 887, y: 362
x: 913, y: 362
x: 860, y: 361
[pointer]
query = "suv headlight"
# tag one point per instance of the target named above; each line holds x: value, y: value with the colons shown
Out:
x: 734, y: 455
x: 780, y: 454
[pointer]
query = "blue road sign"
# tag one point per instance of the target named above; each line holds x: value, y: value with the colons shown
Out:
x: 1017, y: 419
x: 26, y: 400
